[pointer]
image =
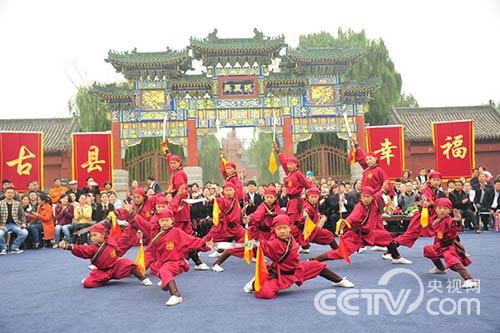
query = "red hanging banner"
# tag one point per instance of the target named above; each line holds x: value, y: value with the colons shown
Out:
x: 387, y: 142
x: 21, y: 158
x: 454, y: 149
x: 92, y: 156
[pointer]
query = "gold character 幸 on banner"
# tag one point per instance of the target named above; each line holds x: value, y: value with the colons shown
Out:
x: 386, y: 151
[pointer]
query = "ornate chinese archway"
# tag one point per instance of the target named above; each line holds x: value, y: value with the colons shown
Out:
x: 244, y: 82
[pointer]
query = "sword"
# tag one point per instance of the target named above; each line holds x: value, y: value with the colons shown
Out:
x: 233, y: 245
x: 346, y: 123
x: 165, y: 126
x: 217, y: 125
x: 274, y: 125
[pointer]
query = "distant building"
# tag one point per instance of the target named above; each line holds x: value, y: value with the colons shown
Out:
x: 56, y: 142
x: 418, y: 133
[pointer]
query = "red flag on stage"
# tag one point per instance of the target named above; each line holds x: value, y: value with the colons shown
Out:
x: 92, y: 156
x: 261, y: 272
x: 351, y: 156
x: 21, y: 158
x: 454, y: 148
x: 343, y: 250
x: 387, y: 142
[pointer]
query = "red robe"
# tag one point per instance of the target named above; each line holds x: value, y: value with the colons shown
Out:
x: 105, y: 258
x: 415, y: 229
x: 169, y: 249
x: 447, y: 243
x: 238, y: 186
x: 372, y: 176
x: 128, y: 237
x: 179, y: 178
x: 285, y: 269
x: 259, y: 226
x: 261, y: 221
x: 363, y: 231
x: 151, y: 228
x: 319, y: 235
x: 229, y: 227
x: 295, y: 183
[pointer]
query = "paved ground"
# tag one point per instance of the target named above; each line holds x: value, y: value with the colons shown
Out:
x: 41, y: 292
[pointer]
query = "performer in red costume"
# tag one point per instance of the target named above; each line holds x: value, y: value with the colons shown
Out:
x: 260, y: 223
x: 310, y: 209
x: 415, y: 227
x: 229, y: 227
x: 103, y: 255
x: 447, y: 243
x: 295, y: 182
x: 230, y: 175
x: 168, y: 248
x: 362, y: 229
x: 373, y: 175
x: 286, y: 269
x: 143, y: 206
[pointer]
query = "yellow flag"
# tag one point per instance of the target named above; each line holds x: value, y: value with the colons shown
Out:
x: 140, y: 259
x: 339, y: 224
x: 308, y: 227
x: 273, y: 165
x: 424, y: 217
x: 248, y: 253
x: 215, y: 212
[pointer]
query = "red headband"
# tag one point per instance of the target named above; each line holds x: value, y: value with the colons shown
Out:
x: 165, y: 213
x: 140, y: 191
x: 444, y: 202
x: 435, y: 174
x: 161, y: 201
x: 99, y: 228
x: 270, y: 191
x: 175, y: 158
x: 292, y: 159
x: 281, y: 220
x: 368, y: 190
x: 313, y: 190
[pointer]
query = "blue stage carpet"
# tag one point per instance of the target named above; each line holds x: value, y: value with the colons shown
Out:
x: 41, y: 292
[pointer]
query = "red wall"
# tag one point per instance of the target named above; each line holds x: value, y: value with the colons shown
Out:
x: 422, y: 156
x: 56, y: 166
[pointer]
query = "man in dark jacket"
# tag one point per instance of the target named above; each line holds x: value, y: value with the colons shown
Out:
x: 461, y: 201
x: 338, y: 204
x: 480, y: 198
x: 252, y: 198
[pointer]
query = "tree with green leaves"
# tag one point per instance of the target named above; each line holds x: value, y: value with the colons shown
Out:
x: 91, y: 111
x: 259, y: 152
x: 375, y: 63
x: 209, y: 159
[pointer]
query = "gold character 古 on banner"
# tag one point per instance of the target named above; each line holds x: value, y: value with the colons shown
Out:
x: 386, y: 151
x: 455, y: 146
x: 22, y: 168
x: 93, y: 161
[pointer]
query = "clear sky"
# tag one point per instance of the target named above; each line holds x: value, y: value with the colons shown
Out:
x: 448, y: 52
